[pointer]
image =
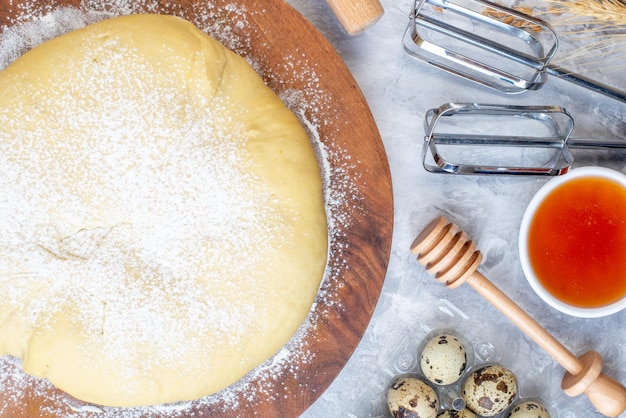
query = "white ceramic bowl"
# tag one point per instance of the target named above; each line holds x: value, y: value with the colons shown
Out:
x: 537, y: 200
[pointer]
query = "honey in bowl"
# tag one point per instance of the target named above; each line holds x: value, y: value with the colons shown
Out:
x: 573, y: 240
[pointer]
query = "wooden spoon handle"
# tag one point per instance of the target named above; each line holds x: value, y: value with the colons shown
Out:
x: 356, y: 16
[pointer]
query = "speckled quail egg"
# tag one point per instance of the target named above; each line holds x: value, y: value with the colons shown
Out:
x: 410, y: 397
x: 451, y: 413
x: 528, y: 409
x: 489, y: 390
x: 443, y: 359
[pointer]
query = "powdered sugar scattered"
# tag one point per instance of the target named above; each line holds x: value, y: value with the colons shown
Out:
x: 138, y: 207
x: 338, y: 171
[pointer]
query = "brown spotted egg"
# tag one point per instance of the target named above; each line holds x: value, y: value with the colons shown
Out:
x: 451, y: 413
x: 489, y: 390
x: 443, y: 359
x: 528, y: 409
x: 409, y: 397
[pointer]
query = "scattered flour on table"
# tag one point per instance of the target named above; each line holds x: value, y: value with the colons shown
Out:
x: 34, y: 25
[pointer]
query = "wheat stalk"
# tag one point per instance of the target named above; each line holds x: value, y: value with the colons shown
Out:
x: 599, y: 26
x: 608, y: 13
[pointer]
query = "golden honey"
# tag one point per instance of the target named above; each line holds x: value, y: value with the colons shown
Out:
x: 577, y: 242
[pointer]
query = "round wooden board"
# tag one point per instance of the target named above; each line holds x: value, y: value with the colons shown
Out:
x: 292, y: 56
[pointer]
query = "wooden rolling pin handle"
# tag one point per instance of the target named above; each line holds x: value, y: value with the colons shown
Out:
x: 453, y: 259
x: 357, y: 16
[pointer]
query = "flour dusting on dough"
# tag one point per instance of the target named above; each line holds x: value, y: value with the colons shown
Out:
x: 30, y: 30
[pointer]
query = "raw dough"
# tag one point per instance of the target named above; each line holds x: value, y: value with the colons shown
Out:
x: 162, y: 224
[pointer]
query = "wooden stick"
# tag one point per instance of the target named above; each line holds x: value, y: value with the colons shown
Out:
x: 457, y: 262
x: 356, y: 16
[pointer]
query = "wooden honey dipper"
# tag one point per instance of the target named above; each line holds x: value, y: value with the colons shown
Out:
x: 449, y: 255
